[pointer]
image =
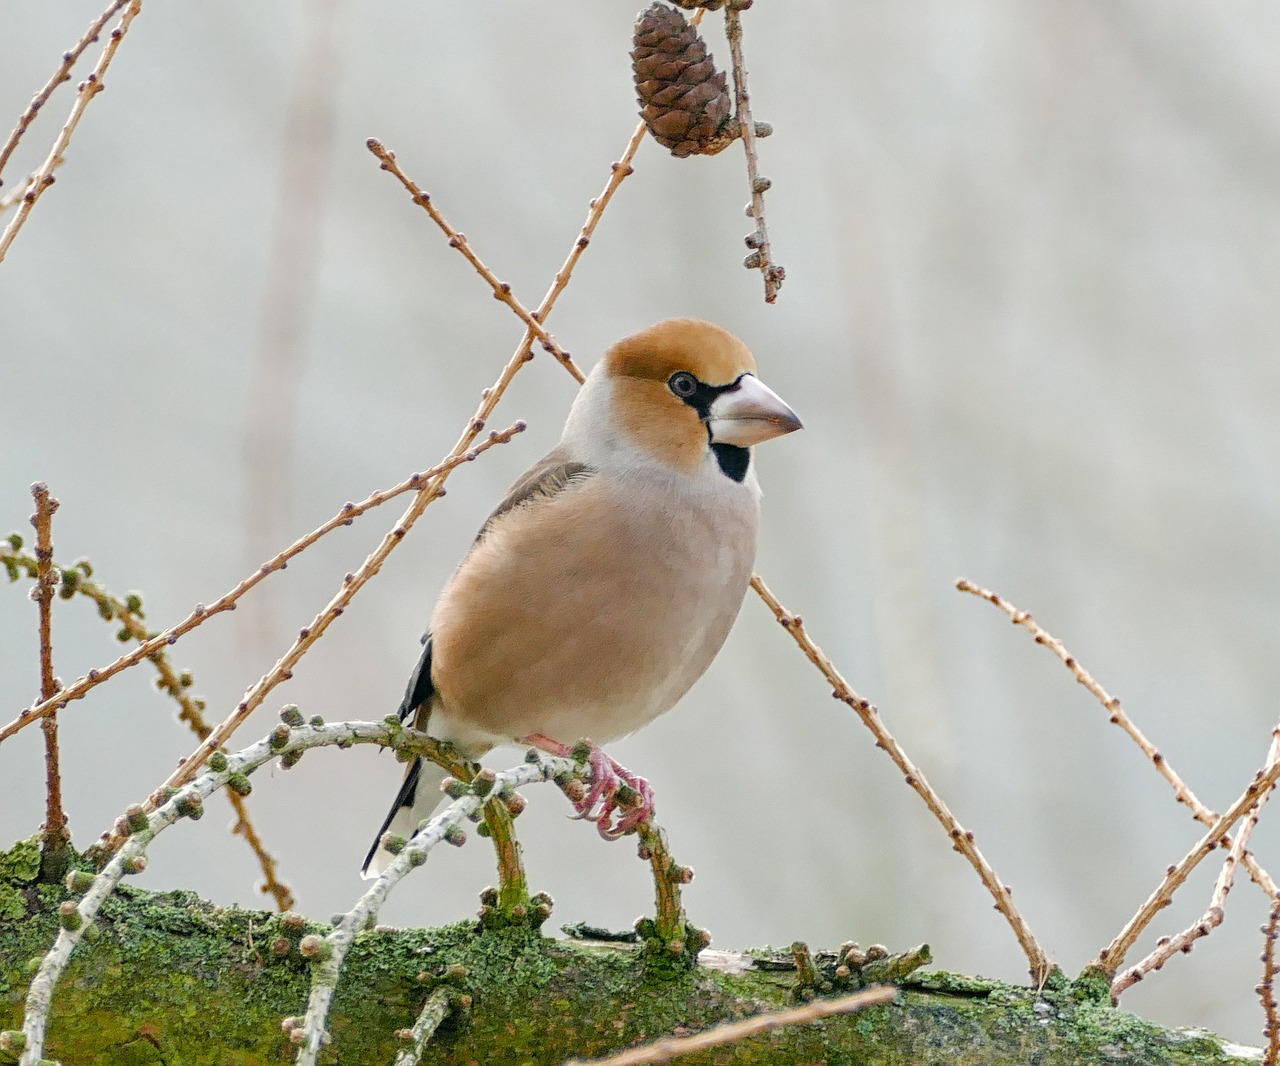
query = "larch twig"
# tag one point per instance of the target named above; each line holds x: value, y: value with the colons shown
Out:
x: 1111, y: 704
x: 761, y: 257
x: 1266, y: 990
x: 961, y: 839
x: 671, y: 1047
x: 54, y: 836
x: 227, y: 602
x: 1184, y: 941
x: 501, y: 290
x: 63, y: 73
x: 89, y: 88
x: 1111, y: 957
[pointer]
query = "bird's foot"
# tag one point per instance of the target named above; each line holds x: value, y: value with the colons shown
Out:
x: 614, y: 791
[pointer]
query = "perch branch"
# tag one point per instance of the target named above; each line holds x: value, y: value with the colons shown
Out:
x: 63, y: 73
x: 443, y: 826
x: 1111, y: 704
x: 1212, y: 917
x: 671, y: 1047
x: 962, y: 840
x: 227, y: 602
x: 89, y: 88
x: 762, y: 257
x: 1112, y: 956
x: 140, y: 829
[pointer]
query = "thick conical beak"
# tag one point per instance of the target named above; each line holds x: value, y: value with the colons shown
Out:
x: 749, y: 413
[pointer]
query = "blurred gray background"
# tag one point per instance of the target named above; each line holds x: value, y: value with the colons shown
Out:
x: 1029, y: 320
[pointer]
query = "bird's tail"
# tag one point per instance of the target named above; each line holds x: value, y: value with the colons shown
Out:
x: 419, y: 795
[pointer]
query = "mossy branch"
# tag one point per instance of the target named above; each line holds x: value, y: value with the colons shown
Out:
x: 534, y: 1000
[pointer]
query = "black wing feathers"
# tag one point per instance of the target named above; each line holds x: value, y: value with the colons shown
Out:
x: 420, y: 688
x: 404, y: 798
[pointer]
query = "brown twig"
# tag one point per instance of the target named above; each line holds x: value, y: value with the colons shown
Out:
x: 1266, y: 990
x: 619, y: 172
x: 1184, y: 941
x: 271, y: 884
x: 14, y: 196
x: 1112, y: 956
x: 89, y: 88
x: 426, y: 495
x: 670, y: 1047
x: 227, y: 602
x: 54, y: 836
x: 1111, y: 704
x: 761, y: 257
x: 178, y: 684
x: 501, y: 290
x: 351, y: 584
x: 63, y: 73
x: 961, y: 839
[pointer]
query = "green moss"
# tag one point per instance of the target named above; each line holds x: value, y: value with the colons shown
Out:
x: 21, y: 863
x: 171, y: 978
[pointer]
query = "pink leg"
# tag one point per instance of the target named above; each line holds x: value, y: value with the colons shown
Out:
x: 602, y: 801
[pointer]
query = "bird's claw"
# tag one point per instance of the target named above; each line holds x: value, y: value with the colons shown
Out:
x: 613, y: 791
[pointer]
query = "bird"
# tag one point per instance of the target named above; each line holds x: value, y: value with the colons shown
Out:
x: 605, y: 582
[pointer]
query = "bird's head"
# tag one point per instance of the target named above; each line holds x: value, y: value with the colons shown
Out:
x: 684, y: 388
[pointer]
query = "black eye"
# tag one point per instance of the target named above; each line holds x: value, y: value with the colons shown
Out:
x: 683, y: 384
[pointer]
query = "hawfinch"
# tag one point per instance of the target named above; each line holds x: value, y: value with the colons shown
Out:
x: 605, y: 582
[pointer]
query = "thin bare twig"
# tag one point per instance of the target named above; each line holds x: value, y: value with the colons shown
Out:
x: 1112, y: 956
x: 54, y: 836
x: 670, y: 1047
x: 501, y: 290
x: 14, y: 196
x: 619, y: 171
x: 1111, y: 704
x: 76, y: 579
x: 89, y: 88
x: 1266, y: 990
x: 63, y: 73
x: 351, y: 584
x: 761, y: 257
x: 227, y: 602
x: 961, y: 839
x: 1212, y: 917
